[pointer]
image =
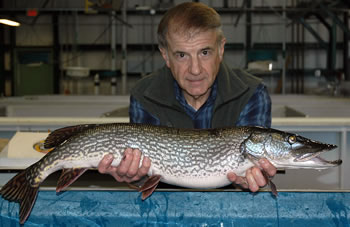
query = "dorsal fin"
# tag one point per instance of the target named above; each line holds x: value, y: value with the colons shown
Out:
x: 60, y: 135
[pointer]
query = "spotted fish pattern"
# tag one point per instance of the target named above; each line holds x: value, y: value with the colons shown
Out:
x: 195, y: 158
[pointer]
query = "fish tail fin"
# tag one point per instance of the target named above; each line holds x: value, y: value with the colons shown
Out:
x: 19, y: 190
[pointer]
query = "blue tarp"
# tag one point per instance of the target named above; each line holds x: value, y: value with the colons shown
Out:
x: 183, y: 208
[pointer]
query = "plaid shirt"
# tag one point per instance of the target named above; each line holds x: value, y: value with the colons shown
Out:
x: 257, y: 112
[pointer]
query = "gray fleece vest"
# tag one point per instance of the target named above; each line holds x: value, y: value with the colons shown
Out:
x: 156, y: 94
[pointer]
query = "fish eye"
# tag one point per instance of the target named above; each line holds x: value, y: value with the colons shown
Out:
x: 292, y: 139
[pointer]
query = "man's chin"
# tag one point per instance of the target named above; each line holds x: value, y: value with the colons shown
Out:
x: 197, y: 93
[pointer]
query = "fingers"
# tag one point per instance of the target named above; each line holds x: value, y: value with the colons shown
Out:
x: 254, y: 178
x: 268, y: 167
x: 143, y: 170
x: 128, y: 169
x: 241, y: 181
x: 232, y: 177
x: 105, y: 164
x: 127, y: 163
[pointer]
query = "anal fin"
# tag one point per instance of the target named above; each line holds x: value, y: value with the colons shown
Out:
x: 68, y: 176
x: 149, y: 186
x: 138, y: 184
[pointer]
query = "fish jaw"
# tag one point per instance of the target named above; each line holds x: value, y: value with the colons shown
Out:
x: 287, y: 150
x: 311, y: 151
x: 309, y: 158
x: 313, y: 163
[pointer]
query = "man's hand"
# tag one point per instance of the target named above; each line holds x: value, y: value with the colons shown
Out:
x: 128, y: 169
x: 254, y: 178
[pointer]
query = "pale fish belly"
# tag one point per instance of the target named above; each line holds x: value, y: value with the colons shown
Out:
x: 205, y: 180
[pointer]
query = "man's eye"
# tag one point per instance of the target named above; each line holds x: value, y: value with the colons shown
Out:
x: 181, y: 55
x: 205, y: 52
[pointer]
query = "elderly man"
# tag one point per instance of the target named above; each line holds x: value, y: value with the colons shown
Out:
x: 195, y: 89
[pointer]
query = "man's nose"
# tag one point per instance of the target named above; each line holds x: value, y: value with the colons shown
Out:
x: 195, y: 67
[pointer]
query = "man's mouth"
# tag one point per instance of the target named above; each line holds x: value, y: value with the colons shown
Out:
x: 195, y: 81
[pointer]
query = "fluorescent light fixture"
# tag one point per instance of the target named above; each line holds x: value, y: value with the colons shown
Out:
x: 263, y: 66
x: 270, y: 66
x: 9, y: 22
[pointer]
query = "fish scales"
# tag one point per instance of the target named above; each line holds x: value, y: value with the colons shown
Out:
x: 179, y: 153
x: 184, y: 157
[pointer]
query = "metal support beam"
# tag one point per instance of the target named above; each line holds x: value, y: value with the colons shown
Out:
x: 248, y: 32
x: 330, y: 47
x: 335, y: 19
x: 346, y: 56
x: 226, y: 4
x: 333, y: 46
x: 13, y: 45
x: 243, y: 7
x: 124, y: 49
x: 2, y: 57
x: 56, y: 54
x: 113, y: 54
x: 284, y: 48
x: 313, y: 32
x: 76, y: 57
x: 2, y: 65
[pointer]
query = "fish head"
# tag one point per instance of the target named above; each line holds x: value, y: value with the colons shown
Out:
x: 288, y: 150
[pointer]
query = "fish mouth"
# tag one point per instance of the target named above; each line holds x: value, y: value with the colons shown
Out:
x: 313, y: 156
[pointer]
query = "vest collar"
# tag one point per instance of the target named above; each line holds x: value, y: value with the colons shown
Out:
x: 161, y: 90
x: 230, y: 86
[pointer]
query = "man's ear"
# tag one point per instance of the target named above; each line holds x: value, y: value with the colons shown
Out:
x: 165, y: 55
x: 222, y: 48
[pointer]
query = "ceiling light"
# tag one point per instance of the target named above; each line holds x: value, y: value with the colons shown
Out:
x: 9, y: 22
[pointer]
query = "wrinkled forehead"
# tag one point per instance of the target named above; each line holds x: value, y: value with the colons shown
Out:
x: 183, y: 35
x: 186, y: 33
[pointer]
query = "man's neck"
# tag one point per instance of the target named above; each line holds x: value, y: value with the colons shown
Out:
x: 196, y: 101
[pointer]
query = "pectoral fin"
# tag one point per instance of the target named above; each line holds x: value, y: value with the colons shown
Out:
x: 68, y: 176
x: 270, y: 183
x: 149, y: 186
x: 255, y: 160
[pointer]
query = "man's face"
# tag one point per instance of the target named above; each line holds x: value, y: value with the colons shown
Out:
x: 194, y: 62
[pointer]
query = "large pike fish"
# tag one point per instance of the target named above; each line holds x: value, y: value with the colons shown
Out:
x: 184, y: 157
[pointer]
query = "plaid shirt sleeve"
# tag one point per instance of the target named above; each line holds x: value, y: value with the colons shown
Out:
x: 257, y: 112
x: 138, y: 114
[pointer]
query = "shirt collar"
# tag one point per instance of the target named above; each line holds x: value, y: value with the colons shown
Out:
x: 180, y: 97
